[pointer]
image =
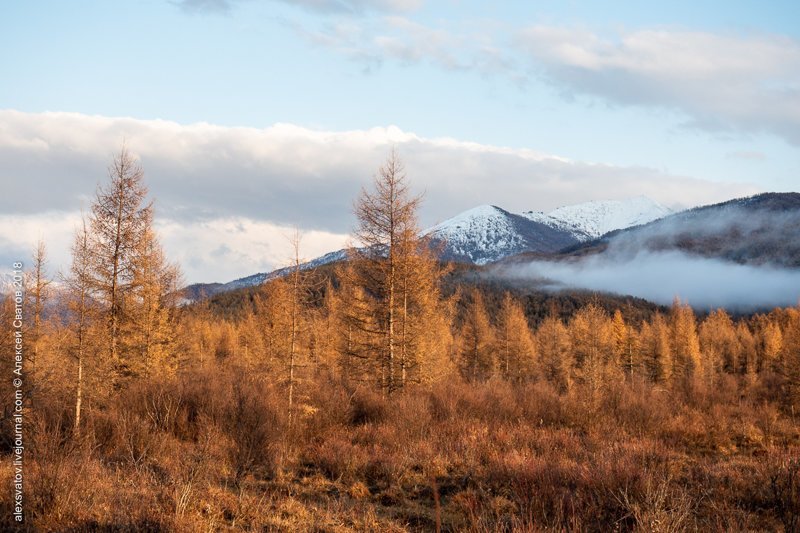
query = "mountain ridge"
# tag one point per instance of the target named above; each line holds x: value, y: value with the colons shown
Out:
x: 488, y: 233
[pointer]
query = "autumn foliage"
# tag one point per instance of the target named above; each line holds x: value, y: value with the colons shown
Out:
x: 367, y: 397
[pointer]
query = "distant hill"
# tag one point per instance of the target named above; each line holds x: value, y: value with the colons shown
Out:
x: 759, y: 230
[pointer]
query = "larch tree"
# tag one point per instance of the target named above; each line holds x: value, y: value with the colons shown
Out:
x: 592, y: 345
x: 656, y: 349
x: 150, y: 305
x: 81, y: 303
x: 298, y: 288
x: 390, y: 284
x: 476, y: 340
x: 118, y: 221
x: 789, y: 368
x: 516, y: 348
x: 769, y: 342
x: 686, y: 357
x: 423, y: 324
x: 746, y: 351
x: 719, y: 345
x: 37, y: 292
x: 625, y: 344
x: 554, y: 356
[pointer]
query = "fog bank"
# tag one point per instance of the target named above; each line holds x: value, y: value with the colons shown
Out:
x: 662, y: 276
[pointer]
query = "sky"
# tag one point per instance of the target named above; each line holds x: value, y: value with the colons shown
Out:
x: 254, y: 117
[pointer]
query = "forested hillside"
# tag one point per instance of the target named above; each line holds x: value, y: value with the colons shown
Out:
x: 387, y: 392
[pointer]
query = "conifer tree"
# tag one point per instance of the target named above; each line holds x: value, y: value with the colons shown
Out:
x: 769, y: 340
x: 37, y: 292
x: 390, y: 287
x: 81, y: 303
x: 516, y: 348
x: 133, y: 282
x: 684, y: 341
x: 790, y: 360
x: 625, y: 344
x: 592, y: 345
x: 477, y: 340
x: 719, y: 345
x: 656, y: 349
x: 119, y: 217
x: 553, y: 347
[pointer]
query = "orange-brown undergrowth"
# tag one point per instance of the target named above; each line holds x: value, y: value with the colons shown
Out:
x: 213, y: 450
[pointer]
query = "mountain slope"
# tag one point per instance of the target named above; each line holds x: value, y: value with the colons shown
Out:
x: 204, y: 290
x: 591, y: 220
x: 761, y: 229
x: 487, y: 233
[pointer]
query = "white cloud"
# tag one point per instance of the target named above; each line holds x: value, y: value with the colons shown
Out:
x: 746, y: 83
x: 720, y: 82
x: 204, y: 177
x: 228, y: 248
x: 219, y: 249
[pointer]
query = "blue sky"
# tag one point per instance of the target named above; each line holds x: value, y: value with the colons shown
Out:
x: 676, y: 91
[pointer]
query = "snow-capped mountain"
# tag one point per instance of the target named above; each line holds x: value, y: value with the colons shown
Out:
x: 487, y: 233
x: 591, y: 220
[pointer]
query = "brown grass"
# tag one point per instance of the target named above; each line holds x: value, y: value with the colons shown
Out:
x: 212, y: 451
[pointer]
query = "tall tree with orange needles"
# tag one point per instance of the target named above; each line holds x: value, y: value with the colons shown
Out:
x: 131, y: 277
x: 118, y: 219
x: 391, y: 283
x: 82, y: 306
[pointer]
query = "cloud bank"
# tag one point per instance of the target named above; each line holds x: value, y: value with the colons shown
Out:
x: 288, y: 176
x: 660, y: 277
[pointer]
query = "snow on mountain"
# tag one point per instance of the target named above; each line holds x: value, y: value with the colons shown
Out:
x: 590, y: 220
x: 487, y: 233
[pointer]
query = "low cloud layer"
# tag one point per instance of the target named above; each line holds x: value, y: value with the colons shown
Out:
x: 660, y: 277
x: 288, y: 176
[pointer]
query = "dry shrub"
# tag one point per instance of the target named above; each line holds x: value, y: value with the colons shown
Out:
x: 57, y: 460
x: 637, y: 407
x: 253, y: 422
x: 442, y: 401
x: 543, y: 405
x: 331, y: 401
x: 367, y: 407
x: 783, y: 474
x: 136, y: 441
x: 336, y: 457
x: 658, y: 507
x: 493, y: 402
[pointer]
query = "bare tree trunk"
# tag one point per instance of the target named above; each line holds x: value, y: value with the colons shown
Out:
x: 390, y: 332
x: 507, y: 354
x: 295, y: 304
x: 404, y: 339
x: 79, y: 394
